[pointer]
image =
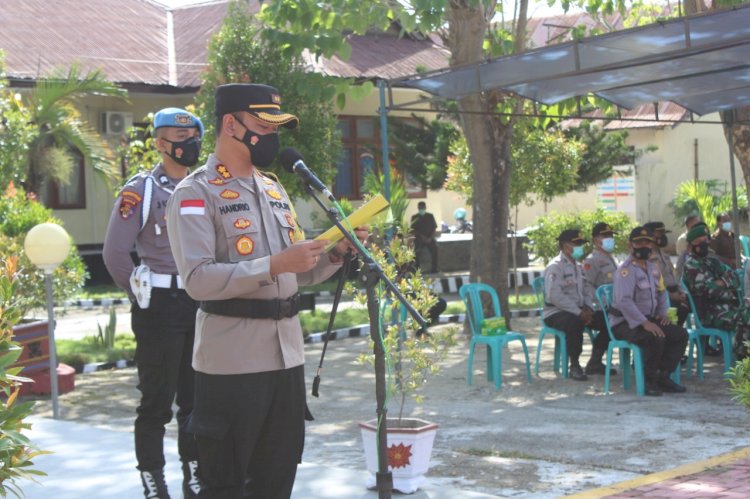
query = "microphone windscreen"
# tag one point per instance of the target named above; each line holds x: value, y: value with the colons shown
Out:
x: 288, y: 156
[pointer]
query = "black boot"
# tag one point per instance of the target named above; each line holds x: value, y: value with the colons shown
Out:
x: 577, y: 373
x: 154, y: 486
x: 191, y: 485
x: 667, y: 385
x: 595, y: 365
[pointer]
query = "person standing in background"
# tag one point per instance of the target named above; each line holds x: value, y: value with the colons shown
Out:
x: 162, y: 313
x: 423, y: 226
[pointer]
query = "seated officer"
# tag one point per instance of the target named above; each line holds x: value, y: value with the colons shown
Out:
x: 714, y: 287
x: 565, y: 306
x: 598, y: 269
x: 677, y: 298
x: 639, y: 315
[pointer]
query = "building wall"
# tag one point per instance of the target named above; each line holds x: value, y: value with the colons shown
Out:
x: 678, y: 159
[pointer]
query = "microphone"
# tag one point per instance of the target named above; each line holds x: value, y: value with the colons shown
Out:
x: 293, y: 162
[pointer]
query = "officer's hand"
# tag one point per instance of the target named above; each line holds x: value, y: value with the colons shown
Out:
x: 720, y: 283
x: 299, y: 257
x: 653, y: 329
x: 586, y: 315
x: 664, y: 321
x: 343, y: 246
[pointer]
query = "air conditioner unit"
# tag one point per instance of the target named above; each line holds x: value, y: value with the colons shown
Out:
x: 116, y: 122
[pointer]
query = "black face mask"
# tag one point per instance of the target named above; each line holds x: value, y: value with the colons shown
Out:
x: 185, y: 152
x: 641, y: 253
x: 661, y: 241
x: 701, y: 249
x: 263, y: 148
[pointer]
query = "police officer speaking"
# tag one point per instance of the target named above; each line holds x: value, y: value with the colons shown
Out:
x: 163, y: 315
x: 639, y: 315
x: 240, y: 251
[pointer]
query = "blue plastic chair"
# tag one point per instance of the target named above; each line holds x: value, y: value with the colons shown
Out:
x: 471, y: 294
x: 745, y: 241
x: 700, y: 330
x: 604, y: 297
x: 561, y: 349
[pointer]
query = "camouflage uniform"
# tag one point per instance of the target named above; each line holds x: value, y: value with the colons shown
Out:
x: 717, y: 306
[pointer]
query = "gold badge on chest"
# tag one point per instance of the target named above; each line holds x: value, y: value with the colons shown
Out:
x: 244, y: 245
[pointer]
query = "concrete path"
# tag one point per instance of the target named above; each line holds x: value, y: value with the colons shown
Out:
x: 96, y: 463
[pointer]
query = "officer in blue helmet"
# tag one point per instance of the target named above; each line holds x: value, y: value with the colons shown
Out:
x: 162, y: 313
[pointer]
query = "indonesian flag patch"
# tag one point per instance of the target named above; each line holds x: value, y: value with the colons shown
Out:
x: 192, y: 207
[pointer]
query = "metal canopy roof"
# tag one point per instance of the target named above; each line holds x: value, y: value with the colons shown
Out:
x: 701, y: 63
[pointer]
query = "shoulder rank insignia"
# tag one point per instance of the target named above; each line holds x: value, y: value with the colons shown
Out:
x: 222, y: 170
x: 229, y: 194
x: 273, y: 194
x: 245, y: 245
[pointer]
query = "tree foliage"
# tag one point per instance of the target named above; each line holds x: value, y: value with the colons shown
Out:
x: 139, y: 153
x: 546, y: 229
x: 18, y: 214
x: 239, y: 54
x: 601, y: 152
x: 61, y: 131
x: 421, y: 148
x: 707, y: 198
x: 16, y: 133
x: 466, y: 28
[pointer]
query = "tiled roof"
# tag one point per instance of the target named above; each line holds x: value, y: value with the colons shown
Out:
x: 142, y: 42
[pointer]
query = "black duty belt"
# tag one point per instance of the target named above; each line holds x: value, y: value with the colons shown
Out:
x: 275, y: 308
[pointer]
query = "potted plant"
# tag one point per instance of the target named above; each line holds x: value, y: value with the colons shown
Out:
x: 412, y: 359
x: 16, y: 451
x: 18, y: 214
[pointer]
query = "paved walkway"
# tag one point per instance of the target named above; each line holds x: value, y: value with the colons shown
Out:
x: 93, y: 462
x: 90, y: 462
x: 722, y: 476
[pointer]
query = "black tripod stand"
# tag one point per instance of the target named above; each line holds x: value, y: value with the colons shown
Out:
x: 372, y: 274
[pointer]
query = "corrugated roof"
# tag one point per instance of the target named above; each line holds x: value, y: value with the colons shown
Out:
x: 141, y: 42
x: 385, y: 56
x: 125, y: 38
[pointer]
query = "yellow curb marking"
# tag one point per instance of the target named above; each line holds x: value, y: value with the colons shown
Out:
x: 661, y: 476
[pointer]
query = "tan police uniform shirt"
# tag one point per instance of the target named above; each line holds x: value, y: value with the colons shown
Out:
x: 124, y: 229
x: 563, y: 287
x: 224, y: 230
x: 638, y: 293
x: 598, y: 269
x: 665, y: 266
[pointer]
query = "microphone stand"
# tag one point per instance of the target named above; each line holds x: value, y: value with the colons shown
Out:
x: 371, y: 274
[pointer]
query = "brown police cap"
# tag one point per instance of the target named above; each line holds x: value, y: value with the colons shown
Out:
x: 262, y: 101
x: 571, y: 235
x: 641, y: 233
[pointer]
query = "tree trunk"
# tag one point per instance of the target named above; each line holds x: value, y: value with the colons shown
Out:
x: 741, y: 135
x: 489, y: 140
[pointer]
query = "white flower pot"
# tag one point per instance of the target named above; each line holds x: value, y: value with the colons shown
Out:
x: 409, y: 449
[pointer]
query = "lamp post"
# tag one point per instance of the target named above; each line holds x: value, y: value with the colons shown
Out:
x: 47, y: 245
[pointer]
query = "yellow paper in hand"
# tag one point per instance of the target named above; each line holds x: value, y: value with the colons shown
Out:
x: 360, y: 217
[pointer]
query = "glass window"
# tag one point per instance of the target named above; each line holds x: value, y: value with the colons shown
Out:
x: 365, y: 128
x: 344, y: 182
x: 68, y: 196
